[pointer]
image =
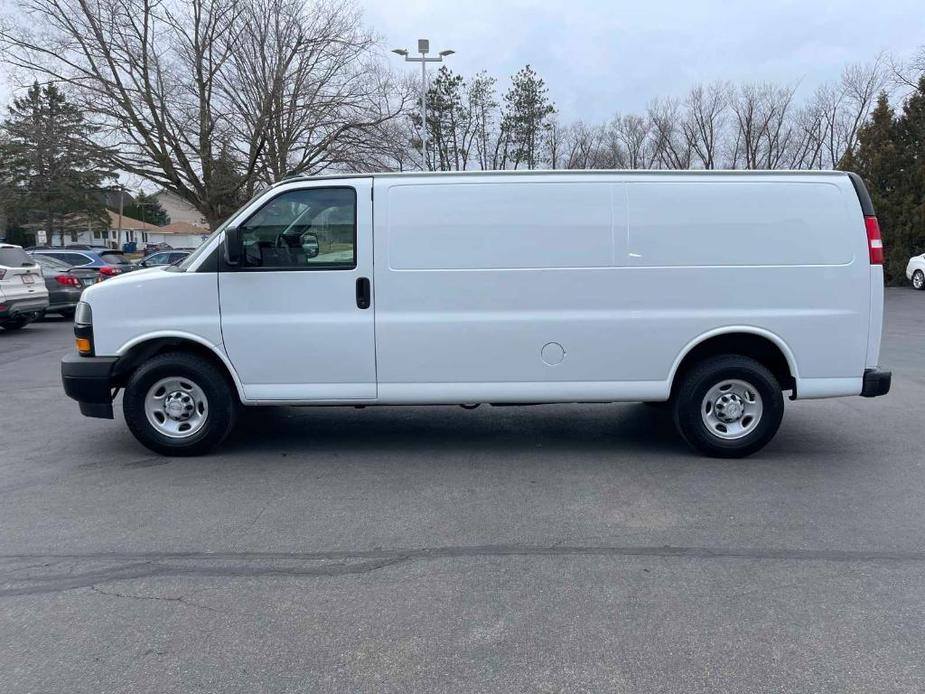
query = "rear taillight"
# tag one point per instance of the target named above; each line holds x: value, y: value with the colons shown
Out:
x: 874, y: 242
x: 67, y: 280
x: 109, y: 270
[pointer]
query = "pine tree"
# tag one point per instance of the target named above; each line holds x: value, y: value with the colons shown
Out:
x: 911, y: 191
x: 447, y: 121
x: 53, y: 168
x: 227, y: 186
x: 890, y: 156
x: 527, y: 116
x: 148, y: 209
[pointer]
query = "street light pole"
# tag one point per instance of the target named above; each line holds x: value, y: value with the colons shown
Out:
x: 423, y: 49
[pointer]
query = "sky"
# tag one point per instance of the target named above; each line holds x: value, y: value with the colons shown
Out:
x: 599, y: 57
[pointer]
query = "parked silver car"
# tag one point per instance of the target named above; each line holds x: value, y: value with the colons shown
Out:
x: 23, y: 295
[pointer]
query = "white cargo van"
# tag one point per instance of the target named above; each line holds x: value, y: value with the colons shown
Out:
x: 713, y: 292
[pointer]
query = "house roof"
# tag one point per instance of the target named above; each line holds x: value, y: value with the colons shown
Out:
x: 128, y: 222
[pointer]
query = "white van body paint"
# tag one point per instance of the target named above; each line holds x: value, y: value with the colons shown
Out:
x: 473, y: 274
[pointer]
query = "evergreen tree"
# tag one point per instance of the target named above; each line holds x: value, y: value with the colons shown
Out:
x: 52, y: 167
x: 890, y: 156
x: 447, y: 121
x: 147, y: 209
x: 227, y: 184
x: 910, y: 192
x: 527, y: 116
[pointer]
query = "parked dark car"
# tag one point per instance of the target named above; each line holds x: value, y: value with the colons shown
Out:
x: 162, y: 258
x: 65, y: 283
x: 107, y: 262
x: 155, y: 247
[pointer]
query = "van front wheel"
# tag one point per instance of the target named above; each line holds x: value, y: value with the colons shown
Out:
x: 179, y: 404
x: 728, y: 406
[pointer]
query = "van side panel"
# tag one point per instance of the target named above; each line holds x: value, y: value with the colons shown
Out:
x: 786, y: 255
x: 489, y: 226
x: 737, y: 222
x: 496, y: 280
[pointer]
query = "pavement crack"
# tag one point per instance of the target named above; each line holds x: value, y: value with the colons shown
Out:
x: 93, y: 569
x: 181, y: 600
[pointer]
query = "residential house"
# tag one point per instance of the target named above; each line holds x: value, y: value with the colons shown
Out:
x: 179, y: 210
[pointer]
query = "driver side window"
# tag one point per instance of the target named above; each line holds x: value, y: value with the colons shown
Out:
x: 310, y: 228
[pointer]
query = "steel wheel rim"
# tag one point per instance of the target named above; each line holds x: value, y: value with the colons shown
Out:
x: 918, y: 279
x: 176, y: 407
x: 731, y: 409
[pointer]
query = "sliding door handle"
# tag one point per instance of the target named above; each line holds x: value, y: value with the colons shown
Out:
x: 363, y: 292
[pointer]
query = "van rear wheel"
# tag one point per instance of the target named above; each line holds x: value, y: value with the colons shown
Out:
x: 179, y: 404
x: 728, y: 406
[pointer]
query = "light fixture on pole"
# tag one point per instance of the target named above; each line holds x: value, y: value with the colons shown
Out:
x: 423, y: 49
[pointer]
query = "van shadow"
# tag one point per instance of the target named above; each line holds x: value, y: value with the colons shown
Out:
x: 451, y: 430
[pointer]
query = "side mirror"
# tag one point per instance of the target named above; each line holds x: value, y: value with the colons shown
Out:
x: 234, y: 246
x: 310, y: 245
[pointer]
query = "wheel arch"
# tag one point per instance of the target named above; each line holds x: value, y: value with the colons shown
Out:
x: 136, y: 351
x: 748, y: 341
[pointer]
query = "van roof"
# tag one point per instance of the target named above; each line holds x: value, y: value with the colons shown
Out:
x: 568, y: 172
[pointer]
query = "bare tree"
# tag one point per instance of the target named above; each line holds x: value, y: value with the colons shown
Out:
x: 761, y: 113
x: 209, y: 97
x: 555, y: 141
x: 906, y: 74
x: 673, y: 146
x: 635, y: 133
x: 300, y: 83
x: 860, y: 85
x: 704, y: 122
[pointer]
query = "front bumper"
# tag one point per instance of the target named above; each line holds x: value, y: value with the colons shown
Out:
x: 876, y: 383
x: 88, y: 380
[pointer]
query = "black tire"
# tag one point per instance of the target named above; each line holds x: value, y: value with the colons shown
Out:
x: 15, y: 323
x: 692, y: 389
x: 223, y: 403
x: 918, y: 280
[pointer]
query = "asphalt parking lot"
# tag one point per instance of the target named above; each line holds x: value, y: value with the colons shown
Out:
x: 555, y: 548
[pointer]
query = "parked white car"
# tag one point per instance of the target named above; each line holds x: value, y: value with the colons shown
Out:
x: 23, y: 295
x: 716, y: 292
x: 915, y: 271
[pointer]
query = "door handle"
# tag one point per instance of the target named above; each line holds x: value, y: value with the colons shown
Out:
x: 363, y: 292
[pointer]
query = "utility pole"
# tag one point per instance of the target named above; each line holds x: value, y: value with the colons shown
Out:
x: 119, y: 230
x: 423, y: 49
